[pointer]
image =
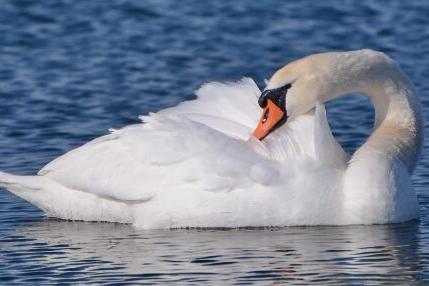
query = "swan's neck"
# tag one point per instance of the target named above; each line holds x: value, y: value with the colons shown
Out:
x: 398, y: 125
x: 398, y: 130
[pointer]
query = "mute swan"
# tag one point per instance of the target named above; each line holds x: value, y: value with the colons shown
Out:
x: 195, y: 164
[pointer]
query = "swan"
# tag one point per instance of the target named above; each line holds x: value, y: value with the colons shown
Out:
x: 202, y: 163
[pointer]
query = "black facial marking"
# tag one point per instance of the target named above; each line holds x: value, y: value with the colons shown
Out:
x: 277, y: 95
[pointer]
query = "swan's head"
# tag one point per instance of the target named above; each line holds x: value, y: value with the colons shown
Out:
x: 297, y: 87
x: 294, y: 90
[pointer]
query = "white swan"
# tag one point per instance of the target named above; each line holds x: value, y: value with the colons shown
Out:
x: 193, y: 165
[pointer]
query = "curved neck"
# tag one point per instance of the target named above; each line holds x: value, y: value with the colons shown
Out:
x: 398, y: 129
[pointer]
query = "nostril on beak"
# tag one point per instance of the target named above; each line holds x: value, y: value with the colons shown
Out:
x: 266, y: 114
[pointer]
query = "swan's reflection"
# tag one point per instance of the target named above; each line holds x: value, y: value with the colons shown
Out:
x: 298, y: 254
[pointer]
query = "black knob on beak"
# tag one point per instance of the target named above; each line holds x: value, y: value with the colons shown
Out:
x: 277, y: 96
x: 262, y: 101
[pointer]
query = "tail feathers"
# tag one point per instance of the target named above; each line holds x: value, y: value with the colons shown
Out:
x: 6, y: 179
x: 58, y: 201
x: 20, y: 183
x: 26, y: 187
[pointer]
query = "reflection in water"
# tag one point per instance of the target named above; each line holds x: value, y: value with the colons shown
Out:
x: 66, y: 251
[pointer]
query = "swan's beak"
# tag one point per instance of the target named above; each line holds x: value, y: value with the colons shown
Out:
x: 272, y: 117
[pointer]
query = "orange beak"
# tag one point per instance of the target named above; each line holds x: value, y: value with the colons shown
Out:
x: 272, y: 117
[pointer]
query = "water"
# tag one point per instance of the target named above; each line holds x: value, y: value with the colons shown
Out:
x: 69, y: 70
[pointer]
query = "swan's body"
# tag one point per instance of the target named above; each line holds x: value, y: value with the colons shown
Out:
x: 193, y: 165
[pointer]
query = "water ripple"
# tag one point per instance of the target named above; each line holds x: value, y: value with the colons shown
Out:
x: 72, y: 69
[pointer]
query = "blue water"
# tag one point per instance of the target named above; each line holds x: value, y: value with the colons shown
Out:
x: 69, y: 70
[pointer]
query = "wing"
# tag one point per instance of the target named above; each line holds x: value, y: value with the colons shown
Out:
x: 201, y: 144
x: 198, y: 143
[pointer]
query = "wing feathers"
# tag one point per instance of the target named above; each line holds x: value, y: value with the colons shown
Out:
x: 201, y: 144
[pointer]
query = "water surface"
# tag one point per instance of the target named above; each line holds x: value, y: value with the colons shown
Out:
x: 69, y: 70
